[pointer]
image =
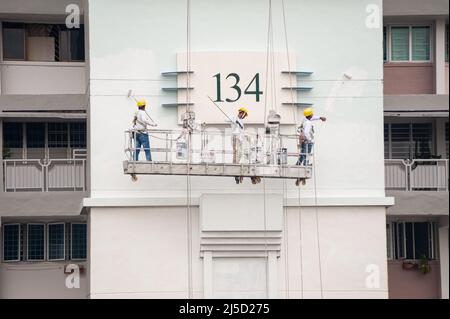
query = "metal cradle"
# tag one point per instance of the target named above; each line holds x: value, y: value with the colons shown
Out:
x: 210, y: 153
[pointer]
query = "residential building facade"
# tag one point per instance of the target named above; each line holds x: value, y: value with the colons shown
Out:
x: 73, y: 223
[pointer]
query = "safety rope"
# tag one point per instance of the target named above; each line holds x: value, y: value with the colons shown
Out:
x: 294, y: 110
x: 288, y: 56
x: 188, y: 177
x: 265, y: 124
x: 317, y: 222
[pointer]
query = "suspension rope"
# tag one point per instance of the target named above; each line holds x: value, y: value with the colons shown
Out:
x: 188, y: 177
x: 317, y: 222
x: 265, y: 123
x: 301, y: 239
x: 294, y: 111
x: 288, y: 56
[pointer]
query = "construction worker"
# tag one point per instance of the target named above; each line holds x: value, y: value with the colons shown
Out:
x: 237, y: 133
x: 306, y: 137
x: 141, y: 122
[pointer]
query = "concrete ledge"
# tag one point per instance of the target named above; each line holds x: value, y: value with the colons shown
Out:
x: 41, y: 204
x: 416, y: 105
x: 195, y: 201
x: 41, y: 103
x: 419, y: 203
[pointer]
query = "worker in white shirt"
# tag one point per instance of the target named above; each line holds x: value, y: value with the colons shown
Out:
x: 306, y: 131
x: 237, y: 133
x: 141, y: 122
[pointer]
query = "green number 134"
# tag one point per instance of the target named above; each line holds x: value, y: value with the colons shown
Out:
x: 237, y: 88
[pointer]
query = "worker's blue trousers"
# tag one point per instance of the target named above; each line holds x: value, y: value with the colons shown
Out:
x: 305, y: 151
x: 142, y: 140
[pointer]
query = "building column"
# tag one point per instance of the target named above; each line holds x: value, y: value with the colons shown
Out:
x: 439, y: 56
x: 443, y: 258
x: 1, y: 156
x: 440, y: 137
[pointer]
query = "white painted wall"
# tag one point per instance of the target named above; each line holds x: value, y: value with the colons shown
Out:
x: 329, y: 38
x: 142, y: 253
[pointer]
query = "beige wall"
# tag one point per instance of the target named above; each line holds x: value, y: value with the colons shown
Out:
x: 446, y: 78
x: 40, y: 280
x: 405, y: 284
x: 43, y: 78
x: 409, y: 78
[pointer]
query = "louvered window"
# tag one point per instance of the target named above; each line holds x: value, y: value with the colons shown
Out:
x: 408, y: 43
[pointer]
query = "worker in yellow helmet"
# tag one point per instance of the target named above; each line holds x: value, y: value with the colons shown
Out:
x: 141, y: 122
x: 238, y: 135
x: 306, y: 138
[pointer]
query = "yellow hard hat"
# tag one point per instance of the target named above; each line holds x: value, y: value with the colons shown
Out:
x: 243, y: 109
x: 308, y: 111
x: 141, y: 102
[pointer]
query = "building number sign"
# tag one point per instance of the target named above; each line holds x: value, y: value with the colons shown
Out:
x: 253, y: 88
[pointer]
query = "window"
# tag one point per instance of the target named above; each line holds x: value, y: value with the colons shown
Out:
x: 44, y: 242
x: 78, y: 135
x: 389, y: 247
x: 408, y: 43
x: 56, y: 241
x: 420, y: 43
x: 446, y: 139
x: 36, y: 240
x: 400, y: 43
x: 42, y: 42
x: 11, y: 242
x: 446, y: 43
x: 12, y: 135
x: 78, y: 241
x: 57, y: 135
x: 408, y: 140
x: 43, y: 140
x: 35, y: 135
x: 411, y: 240
x: 385, y: 44
x: 72, y: 44
x: 13, y: 41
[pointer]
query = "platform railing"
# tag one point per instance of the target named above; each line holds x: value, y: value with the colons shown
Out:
x: 417, y: 174
x: 215, y: 147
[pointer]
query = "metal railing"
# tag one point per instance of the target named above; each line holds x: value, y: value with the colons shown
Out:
x: 177, y: 146
x: 417, y: 174
x: 44, y: 175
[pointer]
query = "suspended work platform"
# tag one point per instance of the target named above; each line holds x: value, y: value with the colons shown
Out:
x: 215, y: 153
x: 205, y: 169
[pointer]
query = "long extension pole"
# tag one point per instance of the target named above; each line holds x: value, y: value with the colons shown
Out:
x: 219, y: 108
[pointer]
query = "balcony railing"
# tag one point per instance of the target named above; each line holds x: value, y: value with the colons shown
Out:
x: 417, y: 175
x: 44, y: 175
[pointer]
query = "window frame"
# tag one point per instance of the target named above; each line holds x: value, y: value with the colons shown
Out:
x: 28, y: 240
x: 411, y: 123
x: 395, y: 243
x: 410, y: 27
x: 24, y: 150
x: 48, y: 241
x: 71, y: 241
x: 2, y: 46
x: 25, y: 45
x: 19, y: 246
